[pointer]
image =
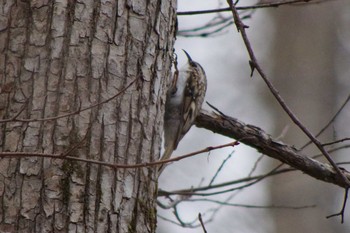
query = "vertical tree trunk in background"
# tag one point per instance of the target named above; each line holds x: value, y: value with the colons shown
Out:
x: 61, y: 56
x: 303, y: 55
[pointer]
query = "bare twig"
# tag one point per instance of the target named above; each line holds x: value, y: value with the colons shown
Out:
x: 173, y: 203
x: 335, y: 142
x: 332, y: 151
x: 215, y: 25
x: 208, y: 149
x: 185, y: 224
x: 15, y: 119
x: 192, y: 191
x: 330, y: 121
x: 219, y: 169
x: 257, y: 6
x: 255, y: 166
x: 342, y: 211
x: 195, y: 191
x: 201, y: 221
x: 252, y: 206
x: 115, y: 166
x: 182, y: 224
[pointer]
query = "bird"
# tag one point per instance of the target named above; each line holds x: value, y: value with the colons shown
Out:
x: 183, y: 103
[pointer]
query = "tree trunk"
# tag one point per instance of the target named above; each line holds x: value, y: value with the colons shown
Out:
x: 58, y: 60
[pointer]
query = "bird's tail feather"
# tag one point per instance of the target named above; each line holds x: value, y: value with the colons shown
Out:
x: 166, y: 155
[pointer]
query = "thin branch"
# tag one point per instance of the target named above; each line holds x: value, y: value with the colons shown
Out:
x: 173, y: 203
x: 115, y: 166
x: 194, y: 191
x: 202, y: 223
x: 183, y: 224
x: 255, y: 166
x: 252, y: 206
x: 188, y: 224
x: 257, y: 6
x: 335, y: 142
x: 208, y: 149
x: 173, y: 222
x: 330, y: 121
x: 71, y: 113
x: 332, y: 151
x: 215, y: 25
x: 342, y: 211
x: 220, y: 168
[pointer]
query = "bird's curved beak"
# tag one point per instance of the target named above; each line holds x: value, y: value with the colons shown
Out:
x: 188, y: 56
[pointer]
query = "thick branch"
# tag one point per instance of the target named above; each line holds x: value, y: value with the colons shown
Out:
x: 257, y: 138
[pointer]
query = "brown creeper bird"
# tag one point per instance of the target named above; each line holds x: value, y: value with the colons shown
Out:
x: 183, y: 103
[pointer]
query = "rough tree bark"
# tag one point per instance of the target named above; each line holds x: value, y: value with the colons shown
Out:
x: 58, y: 58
